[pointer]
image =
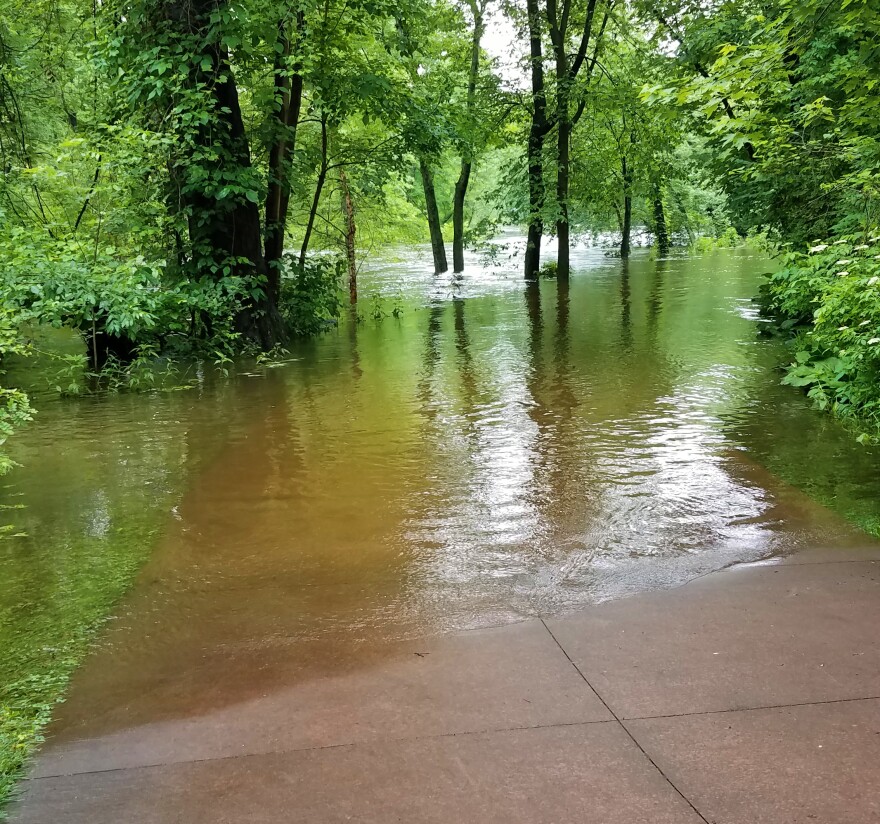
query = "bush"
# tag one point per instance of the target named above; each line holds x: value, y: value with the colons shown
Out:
x: 828, y: 301
x: 15, y: 408
x: 310, y: 295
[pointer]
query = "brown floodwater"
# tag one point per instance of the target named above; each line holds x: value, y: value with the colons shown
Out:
x: 469, y: 453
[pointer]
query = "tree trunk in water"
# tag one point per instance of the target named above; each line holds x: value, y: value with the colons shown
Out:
x: 626, y: 227
x: 434, y: 225
x: 537, y: 131
x: 661, y: 232
x: 288, y: 91
x: 350, y: 232
x: 316, y: 200
x: 461, y: 185
x: 563, y: 128
x: 567, y: 69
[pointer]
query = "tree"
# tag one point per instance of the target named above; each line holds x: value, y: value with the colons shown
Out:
x: 478, y: 11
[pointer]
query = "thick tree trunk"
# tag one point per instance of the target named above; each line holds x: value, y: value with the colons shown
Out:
x: 537, y: 132
x: 434, y: 225
x: 461, y: 185
x: 350, y: 233
x: 626, y: 225
x: 661, y: 232
x: 288, y: 94
x: 316, y: 200
x: 225, y: 233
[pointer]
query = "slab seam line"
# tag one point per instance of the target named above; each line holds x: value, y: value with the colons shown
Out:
x: 322, y: 747
x: 623, y: 726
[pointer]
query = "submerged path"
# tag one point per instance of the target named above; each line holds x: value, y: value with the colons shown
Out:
x: 748, y: 695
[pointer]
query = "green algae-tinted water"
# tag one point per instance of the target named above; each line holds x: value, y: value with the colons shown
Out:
x: 494, y: 451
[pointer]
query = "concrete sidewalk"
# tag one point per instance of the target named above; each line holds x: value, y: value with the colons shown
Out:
x: 750, y: 695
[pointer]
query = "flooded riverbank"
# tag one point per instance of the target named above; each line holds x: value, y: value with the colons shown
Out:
x: 484, y: 453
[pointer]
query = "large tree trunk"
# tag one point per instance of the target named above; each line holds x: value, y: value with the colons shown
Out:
x: 225, y: 231
x: 626, y: 225
x: 537, y: 131
x: 350, y: 233
x: 288, y: 95
x: 435, y: 227
x: 461, y: 185
x: 661, y: 232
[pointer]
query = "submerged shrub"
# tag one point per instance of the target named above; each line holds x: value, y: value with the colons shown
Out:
x: 310, y: 295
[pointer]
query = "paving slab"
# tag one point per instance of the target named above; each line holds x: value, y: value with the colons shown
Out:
x: 753, y: 637
x: 500, y: 678
x: 591, y: 774
x: 816, y: 764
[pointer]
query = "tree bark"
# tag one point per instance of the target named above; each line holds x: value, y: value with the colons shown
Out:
x: 288, y: 93
x: 225, y: 232
x: 350, y: 233
x: 661, y: 232
x: 461, y: 185
x: 316, y: 200
x: 434, y: 225
x: 535, y: 150
x: 563, y: 144
x: 567, y: 70
x: 626, y: 227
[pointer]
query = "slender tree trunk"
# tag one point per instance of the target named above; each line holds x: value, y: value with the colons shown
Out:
x: 438, y: 247
x: 350, y: 233
x: 461, y: 185
x: 626, y: 227
x: 661, y: 232
x: 559, y: 40
x: 288, y: 94
x: 537, y: 132
x: 567, y: 69
x: 316, y: 200
x: 563, y: 128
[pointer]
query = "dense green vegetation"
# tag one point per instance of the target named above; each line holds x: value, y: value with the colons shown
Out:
x: 788, y: 98
x: 175, y: 172
x: 200, y: 179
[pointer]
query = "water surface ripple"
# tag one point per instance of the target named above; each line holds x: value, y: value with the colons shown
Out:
x: 490, y: 451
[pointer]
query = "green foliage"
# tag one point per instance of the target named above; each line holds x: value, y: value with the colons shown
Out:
x: 829, y: 300
x: 787, y: 95
x: 310, y: 295
x: 729, y: 239
x: 15, y: 409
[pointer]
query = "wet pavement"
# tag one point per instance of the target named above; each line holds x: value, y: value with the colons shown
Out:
x: 748, y: 695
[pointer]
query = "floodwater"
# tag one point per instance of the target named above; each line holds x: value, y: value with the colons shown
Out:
x: 469, y: 453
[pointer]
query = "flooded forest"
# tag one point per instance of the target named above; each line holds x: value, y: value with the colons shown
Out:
x: 355, y: 321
